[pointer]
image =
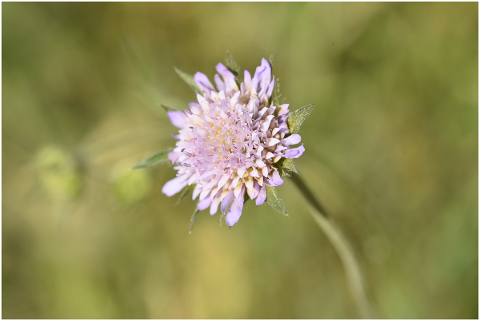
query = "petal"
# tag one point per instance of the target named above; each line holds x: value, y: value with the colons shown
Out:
x: 203, y: 82
x: 262, y: 75
x: 294, y: 152
x: 235, y: 211
x: 275, y: 180
x: 196, y: 191
x: 272, y: 141
x: 204, y: 194
x: 204, y: 204
x: 226, y: 201
x: 214, y: 206
x: 292, y: 139
x: 223, y: 180
x: 262, y: 196
x: 177, y: 118
x: 247, y: 80
x: 219, y: 83
x: 173, y: 156
x: 227, y: 76
x: 174, y: 186
x: 270, y: 88
x: 283, y: 109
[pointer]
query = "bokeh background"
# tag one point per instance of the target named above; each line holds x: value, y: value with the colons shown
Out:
x: 391, y: 146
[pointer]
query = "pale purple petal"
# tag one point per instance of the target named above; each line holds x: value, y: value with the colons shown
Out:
x: 276, y: 180
x: 226, y: 201
x: 177, y: 118
x: 174, y: 186
x: 295, y: 152
x: 272, y: 141
x: 228, y: 77
x: 247, y: 79
x: 218, y: 81
x: 292, y: 140
x: 270, y: 87
x: 235, y: 211
x: 214, y: 206
x: 203, y: 82
x: 205, y: 203
x: 173, y: 156
x: 262, y: 196
x: 262, y: 76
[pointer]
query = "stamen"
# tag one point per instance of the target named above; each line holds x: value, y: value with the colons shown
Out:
x: 188, y: 111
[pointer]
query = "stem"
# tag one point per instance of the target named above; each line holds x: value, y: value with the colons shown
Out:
x: 341, y: 244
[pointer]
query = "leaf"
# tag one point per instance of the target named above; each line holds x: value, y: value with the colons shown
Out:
x: 193, y: 220
x: 158, y: 158
x: 185, y: 191
x: 274, y: 201
x: 189, y: 80
x: 286, y: 167
x: 296, y: 118
x: 167, y: 109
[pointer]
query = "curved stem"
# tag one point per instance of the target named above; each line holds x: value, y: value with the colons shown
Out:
x: 342, y: 246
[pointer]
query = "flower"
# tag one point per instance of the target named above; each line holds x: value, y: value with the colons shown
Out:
x: 230, y: 140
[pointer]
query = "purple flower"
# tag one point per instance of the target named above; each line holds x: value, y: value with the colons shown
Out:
x: 230, y: 140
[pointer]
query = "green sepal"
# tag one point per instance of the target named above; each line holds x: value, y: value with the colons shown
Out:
x: 222, y: 217
x: 234, y: 68
x: 276, y: 97
x: 270, y: 61
x: 286, y: 167
x: 274, y: 201
x: 185, y: 191
x: 161, y: 157
x: 167, y: 109
x: 296, y: 118
x: 189, y: 80
x: 193, y: 219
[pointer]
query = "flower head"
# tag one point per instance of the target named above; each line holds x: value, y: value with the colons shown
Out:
x: 230, y: 140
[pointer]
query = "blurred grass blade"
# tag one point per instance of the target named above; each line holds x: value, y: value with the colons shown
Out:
x: 297, y: 117
x: 161, y: 157
x: 167, y: 109
x: 274, y: 201
x: 189, y: 80
x: 185, y: 191
x: 193, y: 220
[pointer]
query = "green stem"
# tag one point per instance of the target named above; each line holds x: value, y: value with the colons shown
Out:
x: 341, y: 244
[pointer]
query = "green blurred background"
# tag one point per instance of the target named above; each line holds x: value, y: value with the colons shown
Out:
x: 391, y: 149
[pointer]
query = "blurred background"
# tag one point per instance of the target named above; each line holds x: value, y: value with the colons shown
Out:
x: 391, y: 150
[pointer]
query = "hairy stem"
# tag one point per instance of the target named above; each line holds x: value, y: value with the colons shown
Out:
x: 342, y: 246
